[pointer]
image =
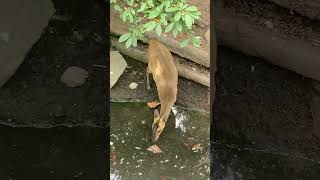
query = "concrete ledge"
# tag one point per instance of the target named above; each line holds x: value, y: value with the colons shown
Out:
x: 239, y: 33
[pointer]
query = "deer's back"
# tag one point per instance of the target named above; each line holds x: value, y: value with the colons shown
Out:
x: 161, y: 64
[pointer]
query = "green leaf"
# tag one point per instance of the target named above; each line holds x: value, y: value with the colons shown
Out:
x: 184, y: 43
x: 153, y: 14
x: 184, y: 6
x: 189, y: 21
x: 143, y: 7
x: 196, y: 13
x: 172, y: 9
x: 130, y: 2
x: 158, y: 29
x: 150, y: 3
x: 175, y: 32
x: 150, y: 25
x: 124, y: 37
x: 117, y: 8
x: 124, y: 16
x: 195, y: 39
x: 191, y: 8
x: 113, y: 1
x: 169, y: 27
x: 134, y: 41
x: 167, y: 4
x: 163, y: 19
x: 130, y: 18
x: 178, y: 26
x: 132, y: 12
x: 129, y: 42
x: 196, y: 44
x: 177, y: 16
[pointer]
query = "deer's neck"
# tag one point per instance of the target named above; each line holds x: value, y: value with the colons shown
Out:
x: 165, y: 110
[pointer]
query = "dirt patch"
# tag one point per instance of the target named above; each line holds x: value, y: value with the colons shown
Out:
x: 264, y: 107
x: 35, y: 96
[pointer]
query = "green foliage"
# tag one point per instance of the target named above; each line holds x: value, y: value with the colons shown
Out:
x: 167, y: 16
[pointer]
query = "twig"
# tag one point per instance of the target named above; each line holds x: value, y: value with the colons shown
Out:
x: 100, y: 66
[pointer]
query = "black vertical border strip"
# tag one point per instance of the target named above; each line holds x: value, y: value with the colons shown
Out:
x: 213, y: 69
x: 107, y: 80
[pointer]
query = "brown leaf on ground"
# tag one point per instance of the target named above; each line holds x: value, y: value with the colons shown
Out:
x: 155, y: 149
x: 153, y: 104
x: 114, y: 158
x: 196, y: 147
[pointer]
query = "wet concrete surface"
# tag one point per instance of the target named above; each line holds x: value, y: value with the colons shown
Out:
x: 130, y: 137
x: 230, y: 162
x: 53, y: 154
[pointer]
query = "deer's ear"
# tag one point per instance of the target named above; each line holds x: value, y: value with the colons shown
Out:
x: 156, y: 113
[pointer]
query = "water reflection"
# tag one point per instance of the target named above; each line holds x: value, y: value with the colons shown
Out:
x: 184, y: 142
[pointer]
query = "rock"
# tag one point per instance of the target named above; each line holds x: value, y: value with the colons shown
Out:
x: 74, y: 76
x: 133, y: 85
x: 77, y: 36
x: 269, y: 24
x: 117, y: 67
x: 316, y: 86
x: 207, y: 35
x: 59, y: 111
x: 20, y: 31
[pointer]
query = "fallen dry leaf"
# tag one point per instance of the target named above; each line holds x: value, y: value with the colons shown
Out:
x: 114, y: 158
x: 196, y: 147
x: 153, y: 104
x: 155, y: 149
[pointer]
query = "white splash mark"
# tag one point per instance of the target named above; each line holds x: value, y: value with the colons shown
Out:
x: 115, y: 175
x: 179, y: 118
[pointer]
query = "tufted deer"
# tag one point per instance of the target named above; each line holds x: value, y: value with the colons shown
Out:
x: 165, y: 75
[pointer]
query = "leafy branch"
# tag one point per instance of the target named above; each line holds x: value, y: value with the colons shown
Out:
x: 167, y: 16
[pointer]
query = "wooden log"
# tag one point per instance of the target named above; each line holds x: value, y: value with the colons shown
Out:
x: 239, y: 33
x: 308, y: 8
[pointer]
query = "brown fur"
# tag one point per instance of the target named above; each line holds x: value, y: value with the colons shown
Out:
x: 165, y: 75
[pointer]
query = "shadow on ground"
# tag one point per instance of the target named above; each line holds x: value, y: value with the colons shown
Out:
x: 55, y: 153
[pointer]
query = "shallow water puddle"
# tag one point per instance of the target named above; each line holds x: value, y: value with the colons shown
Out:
x: 185, y: 144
